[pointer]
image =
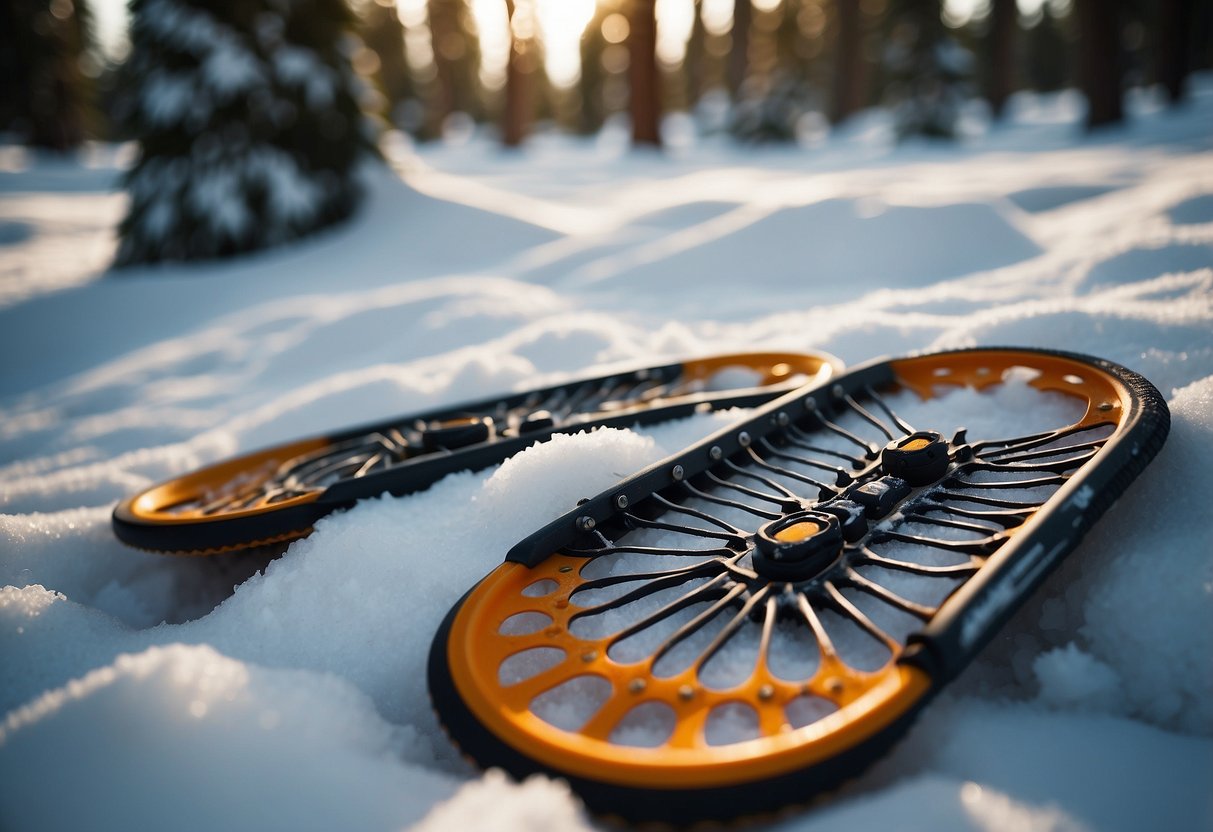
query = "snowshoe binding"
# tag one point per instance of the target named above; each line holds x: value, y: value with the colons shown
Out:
x: 275, y: 495
x: 746, y: 624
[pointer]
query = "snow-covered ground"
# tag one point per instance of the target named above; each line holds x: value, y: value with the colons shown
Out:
x: 144, y: 692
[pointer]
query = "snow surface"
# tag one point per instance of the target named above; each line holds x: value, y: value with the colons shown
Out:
x: 239, y: 693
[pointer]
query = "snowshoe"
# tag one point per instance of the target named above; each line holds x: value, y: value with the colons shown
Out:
x: 748, y: 623
x: 275, y: 495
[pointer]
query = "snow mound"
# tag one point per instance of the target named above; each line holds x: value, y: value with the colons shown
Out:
x: 1071, y: 678
x: 208, y: 742
x: 494, y: 802
x: 1148, y: 611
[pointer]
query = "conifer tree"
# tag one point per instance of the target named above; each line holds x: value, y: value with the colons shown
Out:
x: 248, y: 123
x: 456, y: 59
x: 1174, y: 21
x: 694, y: 64
x: 644, y: 76
x: 847, y: 95
x: 928, y: 70
x: 591, y: 83
x: 516, y: 110
x: 44, y: 94
x: 1049, y: 51
x: 383, y: 33
x: 739, y: 56
x: 1001, y: 75
x: 1101, y: 65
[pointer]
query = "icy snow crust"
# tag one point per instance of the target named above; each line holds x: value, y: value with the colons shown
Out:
x: 156, y: 695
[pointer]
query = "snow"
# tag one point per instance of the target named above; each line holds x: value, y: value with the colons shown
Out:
x: 167, y: 97
x: 245, y: 693
x: 1069, y: 677
x: 349, y: 767
x: 230, y: 69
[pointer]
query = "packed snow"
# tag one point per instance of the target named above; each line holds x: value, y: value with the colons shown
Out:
x: 144, y: 691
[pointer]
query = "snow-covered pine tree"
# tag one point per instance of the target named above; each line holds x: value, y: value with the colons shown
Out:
x: 769, y: 109
x: 928, y: 70
x: 248, y: 122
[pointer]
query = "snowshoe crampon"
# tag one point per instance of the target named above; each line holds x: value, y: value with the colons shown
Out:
x: 276, y: 494
x: 748, y: 623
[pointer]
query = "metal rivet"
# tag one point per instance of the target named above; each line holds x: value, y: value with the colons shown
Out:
x: 837, y: 391
x: 589, y: 655
x: 743, y: 439
x: 586, y: 523
x: 1105, y: 406
x: 621, y: 501
x: 677, y: 473
x: 715, y: 453
x: 636, y: 685
x: 782, y: 419
x: 834, y: 686
x: 566, y: 569
x: 810, y: 404
x: 686, y: 693
x: 766, y: 692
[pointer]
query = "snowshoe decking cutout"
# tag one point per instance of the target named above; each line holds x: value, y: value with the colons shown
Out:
x: 744, y: 625
x: 276, y: 494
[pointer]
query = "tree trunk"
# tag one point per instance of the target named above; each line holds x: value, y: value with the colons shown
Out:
x: 1100, y: 70
x: 592, y: 83
x: 693, y: 64
x: 643, y: 73
x: 739, y: 56
x: 1004, y: 27
x: 1171, y: 59
x: 383, y: 33
x: 517, y: 97
x: 847, y: 98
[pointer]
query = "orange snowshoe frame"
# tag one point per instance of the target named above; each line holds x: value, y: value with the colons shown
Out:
x: 773, y: 539
x: 276, y: 494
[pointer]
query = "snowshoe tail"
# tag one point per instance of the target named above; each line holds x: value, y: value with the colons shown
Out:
x: 748, y: 623
x: 275, y: 495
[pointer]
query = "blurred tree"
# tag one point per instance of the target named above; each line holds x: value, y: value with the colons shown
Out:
x: 45, y: 93
x: 383, y: 34
x: 248, y: 123
x: 1048, y: 49
x: 590, y: 86
x: 1001, y: 74
x: 1101, y: 69
x: 779, y: 89
x: 1200, y: 40
x: 769, y: 109
x: 847, y: 96
x: 605, y: 61
x: 739, y: 57
x: 456, y: 61
x: 644, y: 78
x: 693, y: 65
x: 517, y: 108
x: 1172, y: 56
x: 927, y: 70
x: 791, y: 58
